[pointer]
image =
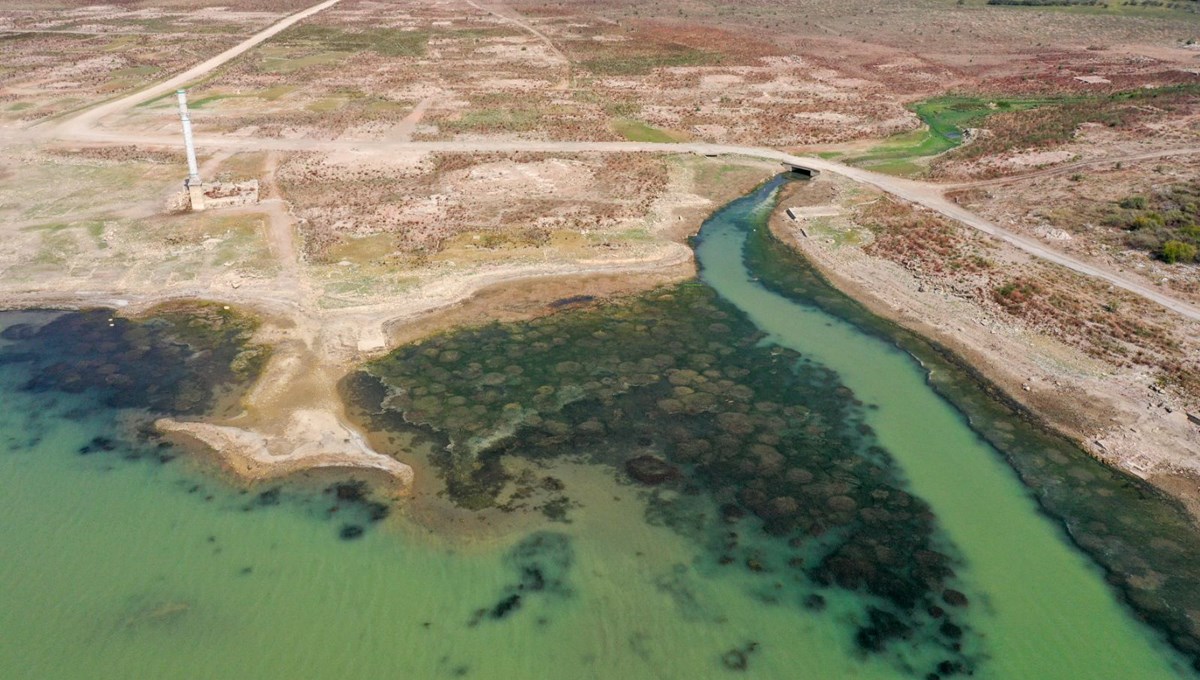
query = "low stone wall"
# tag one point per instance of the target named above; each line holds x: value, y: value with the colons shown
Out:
x: 230, y: 194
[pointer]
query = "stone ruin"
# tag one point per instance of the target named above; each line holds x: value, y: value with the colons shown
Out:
x: 215, y: 195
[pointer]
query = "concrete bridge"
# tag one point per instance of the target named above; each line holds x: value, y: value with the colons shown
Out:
x: 801, y: 169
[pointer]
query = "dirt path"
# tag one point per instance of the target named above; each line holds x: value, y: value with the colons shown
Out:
x: 404, y: 130
x: 294, y: 416
x: 511, y: 16
x: 91, y: 117
x: 923, y: 193
x: 932, y: 196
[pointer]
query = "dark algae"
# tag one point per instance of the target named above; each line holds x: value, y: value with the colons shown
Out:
x: 179, y: 360
x: 1145, y: 541
x: 676, y: 392
x: 541, y: 564
x: 715, y: 505
x: 762, y: 457
x: 182, y: 360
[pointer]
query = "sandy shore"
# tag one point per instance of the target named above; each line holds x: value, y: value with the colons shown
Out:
x: 293, y: 419
x: 255, y: 456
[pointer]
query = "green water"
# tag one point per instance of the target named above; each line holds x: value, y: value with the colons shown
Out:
x: 1051, y: 614
x: 153, y: 567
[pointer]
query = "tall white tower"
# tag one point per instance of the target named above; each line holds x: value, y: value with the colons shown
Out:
x: 194, y: 184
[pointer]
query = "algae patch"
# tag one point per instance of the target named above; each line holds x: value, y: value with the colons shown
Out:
x: 760, y: 456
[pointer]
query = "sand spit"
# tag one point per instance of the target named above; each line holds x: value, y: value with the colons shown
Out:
x: 315, y: 439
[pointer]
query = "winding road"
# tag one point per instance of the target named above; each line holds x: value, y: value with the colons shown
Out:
x: 85, y: 128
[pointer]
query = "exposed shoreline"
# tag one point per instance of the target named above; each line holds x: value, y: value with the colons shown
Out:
x: 1026, y: 370
x: 293, y: 419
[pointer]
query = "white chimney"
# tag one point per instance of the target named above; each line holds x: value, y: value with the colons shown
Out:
x: 193, y: 169
x: 193, y: 183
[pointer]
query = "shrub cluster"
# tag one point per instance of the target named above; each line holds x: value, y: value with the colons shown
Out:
x: 1166, y: 224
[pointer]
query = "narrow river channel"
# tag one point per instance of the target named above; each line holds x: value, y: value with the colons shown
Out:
x: 1049, y: 613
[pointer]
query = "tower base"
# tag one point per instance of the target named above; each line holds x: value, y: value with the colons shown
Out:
x: 195, y: 194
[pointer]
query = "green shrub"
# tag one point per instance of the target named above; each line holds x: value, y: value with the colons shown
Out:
x: 1147, y: 221
x: 1177, y: 251
x: 1134, y: 203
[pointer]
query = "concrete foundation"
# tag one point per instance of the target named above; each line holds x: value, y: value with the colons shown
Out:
x: 195, y: 192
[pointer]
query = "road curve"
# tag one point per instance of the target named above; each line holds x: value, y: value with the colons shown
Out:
x: 931, y: 197
x: 927, y: 194
x: 82, y: 123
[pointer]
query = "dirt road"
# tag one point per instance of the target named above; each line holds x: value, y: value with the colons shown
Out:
x: 84, y: 128
x: 72, y: 127
x: 511, y: 16
x: 296, y: 402
x: 928, y: 194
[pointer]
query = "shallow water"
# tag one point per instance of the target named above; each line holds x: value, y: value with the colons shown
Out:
x: 154, y: 567
x: 1052, y: 615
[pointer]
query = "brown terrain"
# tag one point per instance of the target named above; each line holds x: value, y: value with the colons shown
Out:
x: 420, y: 161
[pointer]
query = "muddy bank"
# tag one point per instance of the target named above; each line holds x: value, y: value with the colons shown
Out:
x: 1100, y: 407
x: 530, y: 298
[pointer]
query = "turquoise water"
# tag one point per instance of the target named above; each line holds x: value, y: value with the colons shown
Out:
x: 1053, y: 616
x: 139, y: 562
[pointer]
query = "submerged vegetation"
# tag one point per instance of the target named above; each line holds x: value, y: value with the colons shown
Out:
x: 182, y: 360
x: 675, y: 392
x: 185, y: 359
x: 1144, y: 550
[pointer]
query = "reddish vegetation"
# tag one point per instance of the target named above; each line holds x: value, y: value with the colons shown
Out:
x: 424, y: 205
x: 921, y: 241
x: 1059, y: 124
x: 1107, y: 324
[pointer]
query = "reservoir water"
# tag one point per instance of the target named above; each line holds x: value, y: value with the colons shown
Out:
x: 713, y: 480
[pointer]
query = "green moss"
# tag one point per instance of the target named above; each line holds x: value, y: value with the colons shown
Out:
x: 637, y: 131
x: 288, y: 64
x: 945, y: 119
x: 1052, y: 120
x: 495, y: 120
